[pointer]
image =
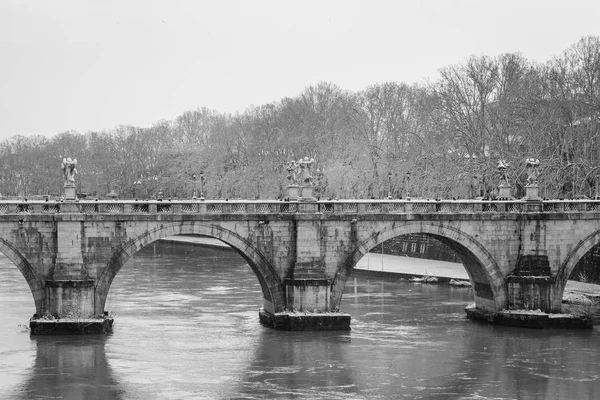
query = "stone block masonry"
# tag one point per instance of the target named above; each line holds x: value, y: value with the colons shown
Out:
x: 518, y: 255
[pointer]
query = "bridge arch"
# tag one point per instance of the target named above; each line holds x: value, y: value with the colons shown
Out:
x: 484, y: 273
x: 271, y: 285
x: 36, y: 285
x: 570, y: 262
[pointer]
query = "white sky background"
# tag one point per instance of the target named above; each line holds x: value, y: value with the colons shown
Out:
x: 92, y: 65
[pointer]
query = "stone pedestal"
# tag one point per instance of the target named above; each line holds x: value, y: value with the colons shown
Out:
x: 70, y: 192
x: 69, y: 206
x: 308, y: 207
x: 307, y: 193
x: 293, y: 192
x: 532, y: 192
x: 504, y: 191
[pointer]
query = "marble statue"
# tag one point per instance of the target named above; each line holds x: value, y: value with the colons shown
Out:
x: 305, y: 170
x: 69, y: 168
x: 532, y: 173
x: 502, y: 167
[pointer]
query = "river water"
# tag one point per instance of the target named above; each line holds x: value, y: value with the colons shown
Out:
x: 187, y: 328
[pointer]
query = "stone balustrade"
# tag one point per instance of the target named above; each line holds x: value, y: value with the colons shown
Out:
x: 278, y: 207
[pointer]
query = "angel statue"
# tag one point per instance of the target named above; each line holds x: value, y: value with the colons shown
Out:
x: 69, y: 170
x: 305, y: 166
x: 532, y: 165
x: 293, y: 170
x: 502, y: 167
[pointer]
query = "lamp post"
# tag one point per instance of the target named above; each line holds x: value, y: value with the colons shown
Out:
x: 201, y: 185
x: 390, y: 185
x: 194, y: 177
x: 260, y: 178
x: 408, y: 185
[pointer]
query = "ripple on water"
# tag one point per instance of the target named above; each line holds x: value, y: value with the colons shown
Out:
x: 219, y: 289
x: 189, y: 329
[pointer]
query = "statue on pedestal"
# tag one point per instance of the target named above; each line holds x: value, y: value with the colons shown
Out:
x: 299, y: 172
x: 305, y: 167
x: 301, y: 180
x: 531, y: 186
x: 293, y: 170
x: 532, y: 173
x: 502, y: 167
x: 69, y: 168
x: 504, y: 186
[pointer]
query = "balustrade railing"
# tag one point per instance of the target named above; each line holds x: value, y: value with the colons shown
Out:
x: 290, y: 207
x: 349, y: 207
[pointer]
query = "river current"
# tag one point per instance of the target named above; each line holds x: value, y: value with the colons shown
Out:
x: 187, y: 328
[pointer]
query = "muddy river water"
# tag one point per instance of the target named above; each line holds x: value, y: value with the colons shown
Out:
x: 187, y: 328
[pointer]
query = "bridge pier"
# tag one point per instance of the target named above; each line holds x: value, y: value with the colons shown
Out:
x: 70, y: 298
x: 69, y: 288
x: 531, y: 293
x: 530, y: 286
x: 70, y: 291
x: 70, y: 310
x: 531, y: 301
x: 308, y: 303
x: 308, y: 308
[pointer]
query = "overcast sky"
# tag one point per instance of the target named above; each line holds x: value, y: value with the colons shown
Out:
x: 92, y: 65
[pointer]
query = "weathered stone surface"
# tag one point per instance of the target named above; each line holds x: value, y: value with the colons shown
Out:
x: 517, y: 254
x: 87, y: 326
x: 531, y: 293
x: 529, y: 319
x: 308, y: 294
x: 532, y: 265
x: 299, y: 321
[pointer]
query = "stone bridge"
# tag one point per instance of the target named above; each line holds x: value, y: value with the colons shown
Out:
x: 518, y: 254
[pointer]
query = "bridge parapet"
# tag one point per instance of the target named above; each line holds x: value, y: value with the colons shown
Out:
x: 148, y: 207
x: 457, y: 206
x: 277, y: 207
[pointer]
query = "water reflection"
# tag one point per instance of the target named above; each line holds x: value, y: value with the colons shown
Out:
x: 299, y: 364
x: 71, y: 368
x: 427, y: 349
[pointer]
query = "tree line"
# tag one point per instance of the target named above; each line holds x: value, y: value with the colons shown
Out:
x: 439, y: 139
